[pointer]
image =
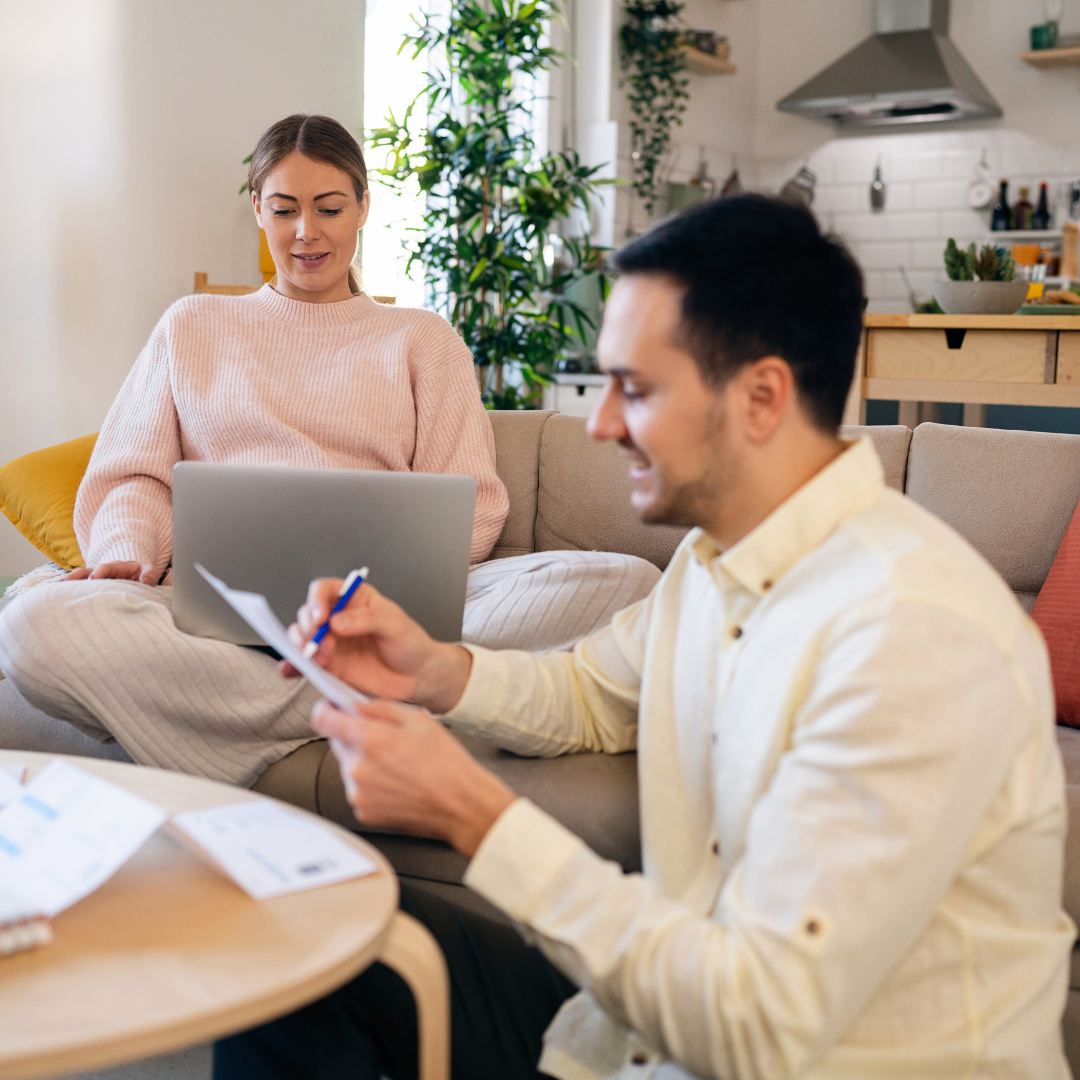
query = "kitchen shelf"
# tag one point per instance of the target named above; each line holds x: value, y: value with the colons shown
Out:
x: 1023, y: 236
x: 701, y: 63
x: 1051, y: 58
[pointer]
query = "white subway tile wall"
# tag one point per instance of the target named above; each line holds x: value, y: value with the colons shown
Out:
x: 927, y: 176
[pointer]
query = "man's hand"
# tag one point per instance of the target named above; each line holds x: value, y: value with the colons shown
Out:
x: 374, y: 646
x: 403, y: 770
x: 121, y: 571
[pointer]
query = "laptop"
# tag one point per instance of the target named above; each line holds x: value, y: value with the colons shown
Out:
x: 273, y: 529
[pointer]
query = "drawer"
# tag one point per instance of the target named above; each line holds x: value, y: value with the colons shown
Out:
x: 572, y: 400
x: 987, y: 355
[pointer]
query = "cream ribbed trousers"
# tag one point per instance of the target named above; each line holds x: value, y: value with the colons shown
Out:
x: 106, y: 657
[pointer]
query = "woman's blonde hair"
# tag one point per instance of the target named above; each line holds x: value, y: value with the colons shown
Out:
x: 320, y: 138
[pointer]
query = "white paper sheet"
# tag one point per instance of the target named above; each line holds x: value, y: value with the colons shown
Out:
x: 68, y: 833
x: 10, y: 785
x: 269, y: 851
x: 257, y: 613
x: 16, y: 770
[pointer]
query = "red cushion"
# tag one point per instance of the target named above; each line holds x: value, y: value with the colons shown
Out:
x: 1057, y: 613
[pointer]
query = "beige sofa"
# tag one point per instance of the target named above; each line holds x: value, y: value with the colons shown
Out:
x: 1011, y: 494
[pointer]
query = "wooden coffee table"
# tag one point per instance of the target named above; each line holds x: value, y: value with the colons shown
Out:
x: 169, y: 953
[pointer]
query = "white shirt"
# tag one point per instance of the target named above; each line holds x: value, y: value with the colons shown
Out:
x: 852, y: 809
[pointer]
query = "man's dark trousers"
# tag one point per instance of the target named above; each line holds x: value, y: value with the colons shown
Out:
x: 503, y: 994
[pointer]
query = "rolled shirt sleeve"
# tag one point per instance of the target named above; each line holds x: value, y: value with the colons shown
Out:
x: 454, y: 434
x: 123, y: 510
x: 543, y: 705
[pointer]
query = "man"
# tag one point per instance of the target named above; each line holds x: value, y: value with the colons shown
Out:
x: 851, y: 798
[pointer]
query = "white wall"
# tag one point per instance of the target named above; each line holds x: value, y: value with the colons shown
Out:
x: 123, y: 126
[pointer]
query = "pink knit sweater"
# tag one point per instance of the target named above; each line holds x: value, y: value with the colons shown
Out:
x: 262, y: 379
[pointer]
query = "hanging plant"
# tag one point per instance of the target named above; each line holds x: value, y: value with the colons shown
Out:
x: 652, y: 65
x: 494, y: 204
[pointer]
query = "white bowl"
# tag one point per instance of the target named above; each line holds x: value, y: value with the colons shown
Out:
x: 980, y: 297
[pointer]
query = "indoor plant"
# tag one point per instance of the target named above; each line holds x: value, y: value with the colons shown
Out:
x: 996, y: 292
x: 492, y: 257
x: 653, y: 63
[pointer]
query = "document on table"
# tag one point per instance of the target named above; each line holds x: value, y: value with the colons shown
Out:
x: 15, y: 770
x: 10, y: 785
x: 67, y: 833
x: 269, y: 851
x: 257, y: 613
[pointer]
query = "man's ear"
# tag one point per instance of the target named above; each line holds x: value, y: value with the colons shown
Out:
x: 768, y: 393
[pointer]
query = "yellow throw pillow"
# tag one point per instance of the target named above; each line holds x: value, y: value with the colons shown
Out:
x: 37, y: 495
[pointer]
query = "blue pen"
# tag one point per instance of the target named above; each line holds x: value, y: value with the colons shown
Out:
x: 348, y: 587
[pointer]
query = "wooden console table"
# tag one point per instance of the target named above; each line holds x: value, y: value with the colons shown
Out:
x: 976, y: 360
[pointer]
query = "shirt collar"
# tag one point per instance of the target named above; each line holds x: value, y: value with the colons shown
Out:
x: 852, y: 481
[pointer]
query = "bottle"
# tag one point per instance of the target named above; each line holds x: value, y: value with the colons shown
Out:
x: 1001, y: 218
x: 1021, y: 212
x: 1041, y: 218
x: 1070, y: 251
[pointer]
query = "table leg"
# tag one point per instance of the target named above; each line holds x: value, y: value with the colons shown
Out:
x: 909, y: 414
x: 414, y: 954
x: 974, y: 415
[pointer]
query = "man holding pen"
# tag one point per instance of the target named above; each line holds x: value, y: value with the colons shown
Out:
x: 852, y: 804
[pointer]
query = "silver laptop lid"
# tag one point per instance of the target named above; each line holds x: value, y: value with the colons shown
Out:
x: 273, y: 529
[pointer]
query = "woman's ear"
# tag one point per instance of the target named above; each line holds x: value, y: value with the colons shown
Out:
x: 365, y: 208
x: 256, y: 205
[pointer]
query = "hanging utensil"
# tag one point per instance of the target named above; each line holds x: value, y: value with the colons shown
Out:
x: 800, y: 188
x: 877, y: 190
x: 732, y: 185
x: 980, y: 193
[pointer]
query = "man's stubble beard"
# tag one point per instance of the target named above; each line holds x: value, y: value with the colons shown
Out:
x: 693, y: 503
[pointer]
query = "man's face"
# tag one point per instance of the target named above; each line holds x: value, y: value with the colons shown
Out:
x: 670, y: 425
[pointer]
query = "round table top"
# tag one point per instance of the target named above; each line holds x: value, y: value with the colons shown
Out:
x: 169, y: 953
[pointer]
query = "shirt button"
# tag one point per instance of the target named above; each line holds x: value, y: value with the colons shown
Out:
x: 737, y: 632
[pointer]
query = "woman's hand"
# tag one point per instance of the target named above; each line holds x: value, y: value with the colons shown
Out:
x: 374, y: 646
x: 121, y: 571
x: 403, y: 770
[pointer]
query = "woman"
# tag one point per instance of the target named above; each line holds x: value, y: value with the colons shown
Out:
x: 307, y: 371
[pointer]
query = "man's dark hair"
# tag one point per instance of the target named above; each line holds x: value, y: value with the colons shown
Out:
x: 761, y: 280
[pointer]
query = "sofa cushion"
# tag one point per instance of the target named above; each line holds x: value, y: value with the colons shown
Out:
x: 22, y: 727
x: 517, y: 461
x: 37, y: 494
x: 1011, y: 494
x: 1057, y: 614
x: 891, y: 441
x: 583, y: 503
x: 594, y: 795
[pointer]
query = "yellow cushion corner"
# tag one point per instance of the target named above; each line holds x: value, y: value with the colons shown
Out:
x: 37, y: 495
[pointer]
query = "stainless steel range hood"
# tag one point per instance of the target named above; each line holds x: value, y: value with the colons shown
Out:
x: 908, y: 73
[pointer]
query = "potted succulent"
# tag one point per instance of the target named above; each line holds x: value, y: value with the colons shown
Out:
x: 996, y: 290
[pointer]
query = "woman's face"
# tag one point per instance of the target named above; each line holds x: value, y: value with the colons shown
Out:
x: 311, y: 217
